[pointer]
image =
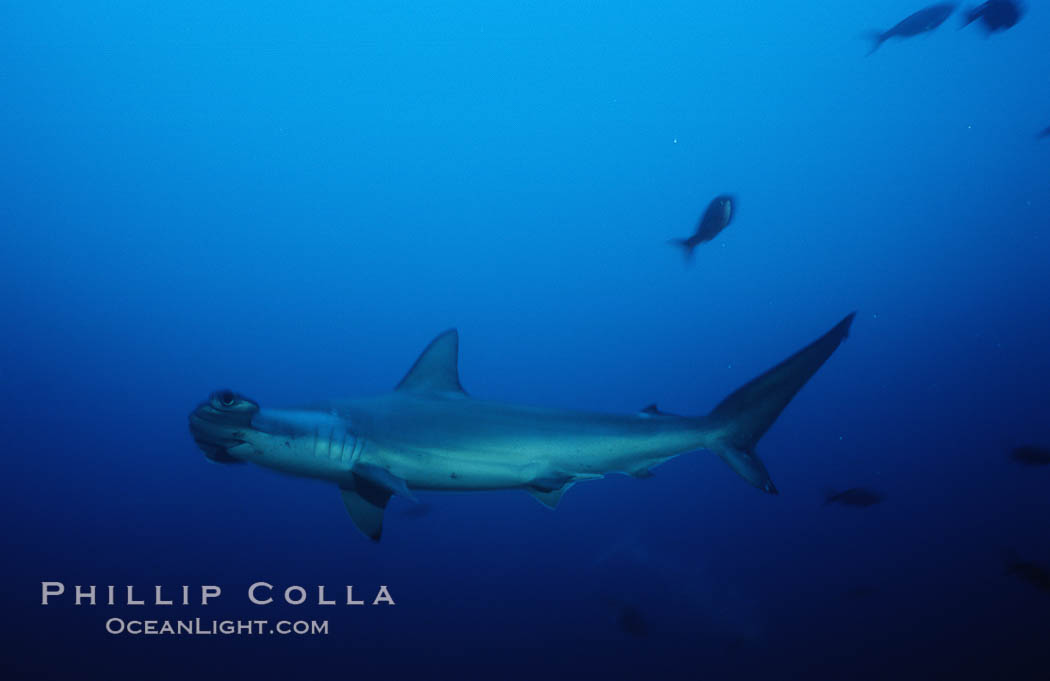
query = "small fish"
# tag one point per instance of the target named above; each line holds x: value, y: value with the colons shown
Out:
x: 923, y: 21
x: 995, y: 15
x: 717, y: 217
x: 1031, y: 455
x: 1035, y: 574
x: 859, y: 497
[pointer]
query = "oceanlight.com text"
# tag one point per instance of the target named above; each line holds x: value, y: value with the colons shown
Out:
x: 200, y: 627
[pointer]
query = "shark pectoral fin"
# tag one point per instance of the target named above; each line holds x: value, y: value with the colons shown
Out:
x: 366, y: 504
x: 437, y: 369
x: 548, y: 499
x: 381, y: 477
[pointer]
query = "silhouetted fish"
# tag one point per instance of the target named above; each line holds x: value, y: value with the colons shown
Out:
x: 717, y: 217
x: 1031, y: 455
x: 923, y: 21
x: 995, y: 15
x: 630, y: 621
x: 861, y: 497
x: 1035, y: 574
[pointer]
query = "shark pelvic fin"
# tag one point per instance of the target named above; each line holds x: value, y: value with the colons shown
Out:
x: 549, y: 499
x: 437, y: 369
x: 384, y: 479
x: 366, y: 503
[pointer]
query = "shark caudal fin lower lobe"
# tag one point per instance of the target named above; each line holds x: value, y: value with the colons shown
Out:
x: 740, y: 420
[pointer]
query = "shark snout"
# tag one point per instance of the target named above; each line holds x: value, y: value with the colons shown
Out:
x: 221, y: 422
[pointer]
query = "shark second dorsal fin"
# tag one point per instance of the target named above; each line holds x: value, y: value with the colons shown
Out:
x: 437, y: 369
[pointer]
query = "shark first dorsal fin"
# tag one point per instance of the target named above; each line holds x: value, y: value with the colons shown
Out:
x: 651, y: 411
x: 437, y: 369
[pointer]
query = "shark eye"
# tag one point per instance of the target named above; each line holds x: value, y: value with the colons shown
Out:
x: 227, y: 398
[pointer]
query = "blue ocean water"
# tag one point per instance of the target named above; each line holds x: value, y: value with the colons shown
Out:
x: 291, y: 200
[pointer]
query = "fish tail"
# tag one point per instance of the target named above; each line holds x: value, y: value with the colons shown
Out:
x: 876, y: 38
x: 686, y: 246
x: 737, y: 424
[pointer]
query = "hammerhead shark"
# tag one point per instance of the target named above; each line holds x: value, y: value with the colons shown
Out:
x: 429, y: 434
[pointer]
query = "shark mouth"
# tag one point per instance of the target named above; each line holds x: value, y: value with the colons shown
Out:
x: 219, y: 424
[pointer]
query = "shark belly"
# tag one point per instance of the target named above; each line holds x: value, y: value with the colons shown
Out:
x: 466, y: 444
x: 450, y: 471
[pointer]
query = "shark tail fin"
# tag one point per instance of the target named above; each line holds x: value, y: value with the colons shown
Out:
x: 740, y: 420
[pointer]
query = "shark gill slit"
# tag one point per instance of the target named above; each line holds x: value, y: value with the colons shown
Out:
x: 356, y: 447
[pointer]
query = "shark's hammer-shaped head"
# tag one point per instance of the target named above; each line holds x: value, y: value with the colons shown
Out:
x: 221, y: 423
x: 310, y: 442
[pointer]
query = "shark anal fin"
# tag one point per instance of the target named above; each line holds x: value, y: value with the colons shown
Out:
x: 437, y: 368
x: 366, y: 503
